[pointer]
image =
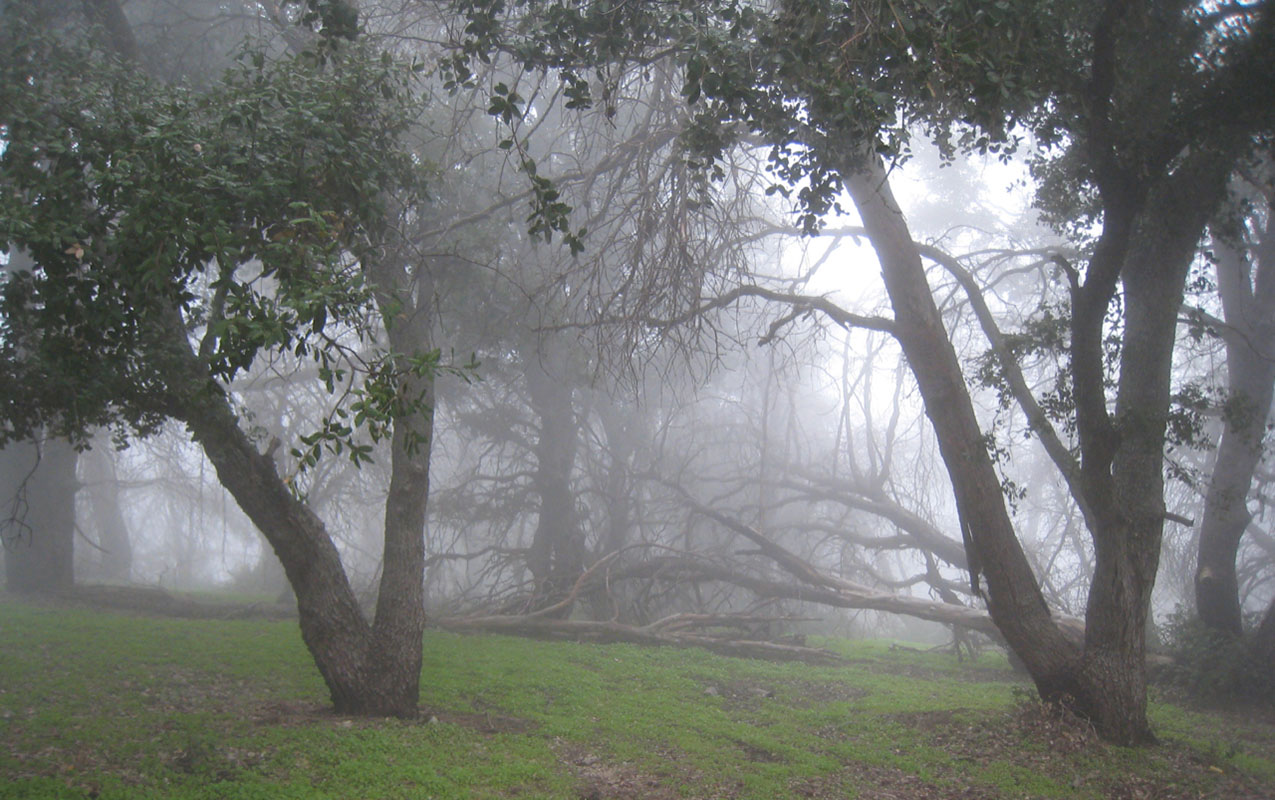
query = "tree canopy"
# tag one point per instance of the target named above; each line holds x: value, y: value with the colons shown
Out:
x: 1138, y: 113
x: 243, y: 209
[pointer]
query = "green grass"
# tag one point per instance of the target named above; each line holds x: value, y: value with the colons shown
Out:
x: 97, y: 704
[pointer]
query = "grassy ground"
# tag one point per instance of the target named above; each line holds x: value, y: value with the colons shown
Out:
x: 100, y: 704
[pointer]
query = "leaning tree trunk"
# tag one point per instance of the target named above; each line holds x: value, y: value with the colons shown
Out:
x: 1013, y: 596
x: 332, y: 625
x: 37, y: 489
x: 1121, y: 473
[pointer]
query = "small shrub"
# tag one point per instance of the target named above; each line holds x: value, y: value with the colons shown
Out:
x: 1214, y: 667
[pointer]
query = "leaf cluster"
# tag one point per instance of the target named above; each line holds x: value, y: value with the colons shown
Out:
x: 244, y: 209
x: 816, y: 81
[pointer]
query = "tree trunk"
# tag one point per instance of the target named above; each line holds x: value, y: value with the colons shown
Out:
x: 369, y: 669
x: 332, y: 625
x: 620, y: 425
x: 405, y: 300
x: 1013, y: 595
x: 556, y: 557
x: 1263, y: 639
x: 1106, y: 681
x: 1247, y: 289
x: 115, y: 562
x: 38, y: 487
x: 1129, y: 504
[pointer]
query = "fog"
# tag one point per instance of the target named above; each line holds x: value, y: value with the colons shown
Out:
x: 704, y: 412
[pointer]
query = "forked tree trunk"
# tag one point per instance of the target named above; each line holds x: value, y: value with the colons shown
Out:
x: 368, y: 669
x: 332, y: 625
x: 1122, y: 472
x: 1129, y: 494
x: 371, y: 669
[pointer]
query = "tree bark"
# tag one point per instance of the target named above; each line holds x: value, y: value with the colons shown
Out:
x: 405, y: 298
x: 38, y: 488
x: 1122, y: 460
x: 993, y: 551
x: 332, y: 625
x: 1129, y: 504
x: 115, y: 563
x: 556, y: 557
x: 621, y: 426
x: 371, y: 669
x: 1247, y: 289
x: 1263, y: 639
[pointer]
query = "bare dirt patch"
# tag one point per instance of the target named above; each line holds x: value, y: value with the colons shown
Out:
x: 604, y: 779
x: 485, y: 723
x: 805, y: 694
x: 883, y: 783
x: 964, y: 672
x: 758, y: 755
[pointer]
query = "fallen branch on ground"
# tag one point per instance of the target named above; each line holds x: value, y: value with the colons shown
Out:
x: 610, y: 632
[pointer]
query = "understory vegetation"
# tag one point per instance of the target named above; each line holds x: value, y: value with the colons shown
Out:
x: 107, y: 705
x: 1214, y: 668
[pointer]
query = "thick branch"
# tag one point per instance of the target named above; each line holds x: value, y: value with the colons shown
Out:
x: 1039, y: 422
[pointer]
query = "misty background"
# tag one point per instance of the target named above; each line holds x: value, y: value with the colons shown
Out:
x: 614, y: 396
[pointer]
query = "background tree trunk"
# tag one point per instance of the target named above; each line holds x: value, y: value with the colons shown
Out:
x: 556, y: 558
x: 37, y: 489
x: 115, y: 557
x: 618, y: 492
x: 1246, y: 283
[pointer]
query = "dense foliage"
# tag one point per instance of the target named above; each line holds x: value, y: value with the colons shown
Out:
x: 244, y: 209
x: 1214, y: 667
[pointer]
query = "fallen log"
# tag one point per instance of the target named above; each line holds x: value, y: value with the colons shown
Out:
x: 610, y: 632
